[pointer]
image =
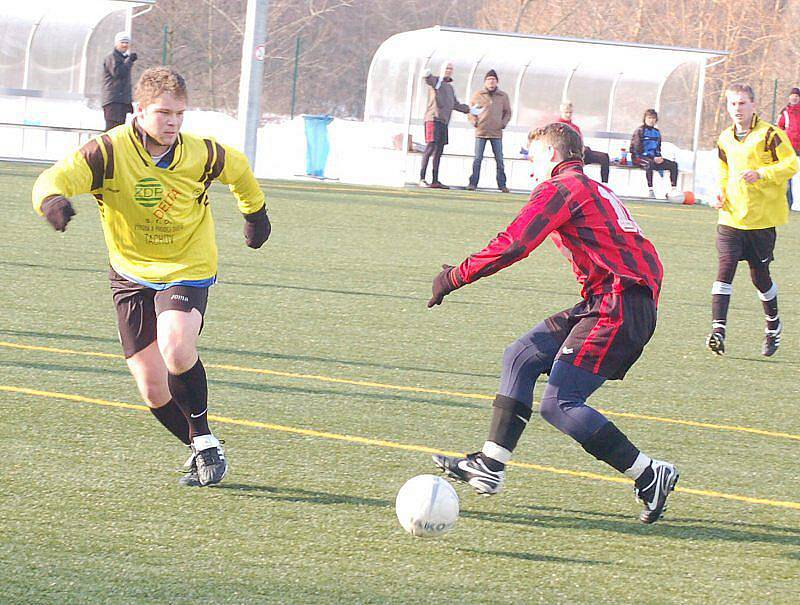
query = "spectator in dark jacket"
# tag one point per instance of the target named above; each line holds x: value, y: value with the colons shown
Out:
x: 116, y: 98
x: 790, y: 122
x: 646, y: 152
x: 441, y: 103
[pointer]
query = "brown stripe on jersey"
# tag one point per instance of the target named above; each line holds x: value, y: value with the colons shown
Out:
x: 109, y: 156
x: 207, y: 177
x: 139, y: 153
x: 94, y: 158
x: 177, y: 153
x: 219, y: 162
x: 722, y: 155
x: 771, y: 142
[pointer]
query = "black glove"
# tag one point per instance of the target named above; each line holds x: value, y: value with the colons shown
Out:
x: 58, y: 211
x: 257, y: 228
x: 444, y: 283
x: 132, y: 57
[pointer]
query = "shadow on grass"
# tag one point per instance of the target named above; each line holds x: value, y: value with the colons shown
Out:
x: 558, y: 518
x: 525, y: 556
x: 253, y: 353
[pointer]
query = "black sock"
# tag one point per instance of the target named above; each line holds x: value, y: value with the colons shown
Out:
x: 190, y: 392
x: 173, y: 419
x: 509, y: 419
x: 611, y: 446
x: 719, y: 311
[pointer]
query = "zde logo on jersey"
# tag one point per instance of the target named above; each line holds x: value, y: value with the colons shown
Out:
x: 148, y: 192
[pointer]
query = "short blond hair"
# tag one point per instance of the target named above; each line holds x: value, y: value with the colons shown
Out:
x: 562, y: 137
x: 155, y: 81
x: 740, y: 88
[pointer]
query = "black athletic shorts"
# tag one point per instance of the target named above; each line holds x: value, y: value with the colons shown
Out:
x: 138, y: 307
x: 756, y: 246
x: 606, y: 333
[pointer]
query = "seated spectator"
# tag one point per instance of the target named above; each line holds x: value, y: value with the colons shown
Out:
x: 589, y: 156
x: 646, y: 153
x: 790, y: 122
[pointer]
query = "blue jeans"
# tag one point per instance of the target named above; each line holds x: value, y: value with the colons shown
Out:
x: 497, y: 150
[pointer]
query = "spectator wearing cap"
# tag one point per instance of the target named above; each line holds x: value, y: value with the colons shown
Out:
x: 490, y: 112
x: 589, y: 155
x: 789, y: 121
x: 116, y: 97
x: 442, y: 102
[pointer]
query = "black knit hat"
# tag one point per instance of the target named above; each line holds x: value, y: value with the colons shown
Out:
x: 795, y: 91
x: 491, y: 74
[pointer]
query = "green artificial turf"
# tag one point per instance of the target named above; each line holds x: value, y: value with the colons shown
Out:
x: 90, y: 507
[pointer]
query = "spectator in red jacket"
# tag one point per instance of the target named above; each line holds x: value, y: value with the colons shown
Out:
x: 790, y: 122
x: 790, y: 118
x: 589, y: 156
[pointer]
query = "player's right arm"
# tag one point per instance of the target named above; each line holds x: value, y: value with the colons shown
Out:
x: 66, y: 178
x: 544, y: 213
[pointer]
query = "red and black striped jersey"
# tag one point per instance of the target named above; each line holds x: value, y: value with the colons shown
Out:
x: 588, y: 224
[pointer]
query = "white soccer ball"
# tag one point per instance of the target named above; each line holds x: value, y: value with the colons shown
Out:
x: 427, y: 506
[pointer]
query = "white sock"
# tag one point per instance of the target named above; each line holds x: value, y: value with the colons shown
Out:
x: 205, y: 442
x: 638, y: 467
x: 496, y: 452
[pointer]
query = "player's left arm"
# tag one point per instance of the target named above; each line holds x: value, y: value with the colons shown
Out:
x: 546, y: 211
x: 787, y: 165
x: 237, y: 174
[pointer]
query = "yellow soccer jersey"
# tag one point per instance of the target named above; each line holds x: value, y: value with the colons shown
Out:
x: 156, y: 221
x: 767, y: 150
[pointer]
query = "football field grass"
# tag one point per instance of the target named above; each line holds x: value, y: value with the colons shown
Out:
x: 331, y: 383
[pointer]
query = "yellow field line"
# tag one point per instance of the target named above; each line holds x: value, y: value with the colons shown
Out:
x: 409, y: 389
x: 393, y: 445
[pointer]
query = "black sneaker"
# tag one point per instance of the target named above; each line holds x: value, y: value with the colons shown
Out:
x: 210, y: 459
x: 472, y: 470
x: 654, y: 495
x: 772, y: 340
x: 716, y: 342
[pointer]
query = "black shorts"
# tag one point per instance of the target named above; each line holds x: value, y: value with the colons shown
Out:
x: 756, y: 246
x: 605, y: 334
x: 138, y: 307
x: 436, y: 132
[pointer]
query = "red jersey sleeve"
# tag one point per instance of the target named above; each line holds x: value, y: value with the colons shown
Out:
x: 546, y: 211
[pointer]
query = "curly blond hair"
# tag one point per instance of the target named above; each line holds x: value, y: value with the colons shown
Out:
x: 562, y: 137
x: 155, y: 81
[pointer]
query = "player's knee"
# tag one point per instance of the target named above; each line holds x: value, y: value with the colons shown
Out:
x: 549, y: 407
x: 179, y: 356
x: 524, y: 357
x: 154, y: 393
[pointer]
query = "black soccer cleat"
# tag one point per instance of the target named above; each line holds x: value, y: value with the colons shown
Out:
x: 654, y: 495
x: 772, y: 340
x: 716, y: 342
x: 211, y: 465
x: 472, y: 470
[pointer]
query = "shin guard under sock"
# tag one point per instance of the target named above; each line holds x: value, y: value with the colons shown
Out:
x: 190, y: 392
x: 509, y: 419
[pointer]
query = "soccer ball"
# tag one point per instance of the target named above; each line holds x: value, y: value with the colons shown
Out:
x: 427, y: 506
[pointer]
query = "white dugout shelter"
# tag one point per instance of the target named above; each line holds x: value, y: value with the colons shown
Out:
x: 609, y: 83
x: 50, y: 64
